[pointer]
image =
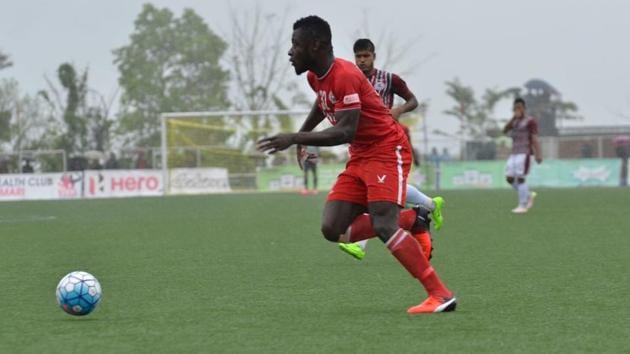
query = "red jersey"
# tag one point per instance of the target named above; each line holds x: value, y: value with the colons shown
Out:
x: 345, y: 87
x: 387, y: 85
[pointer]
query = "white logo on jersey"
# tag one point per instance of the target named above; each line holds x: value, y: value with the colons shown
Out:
x: 380, y: 85
x: 381, y: 179
x: 352, y: 98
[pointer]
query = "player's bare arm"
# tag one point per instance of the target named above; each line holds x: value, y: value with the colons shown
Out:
x: 509, y: 125
x: 341, y: 133
x: 314, y: 117
x: 536, y: 148
x: 410, y: 104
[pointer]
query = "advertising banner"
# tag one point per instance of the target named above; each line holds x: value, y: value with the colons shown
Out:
x: 551, y: 173
x: 123, y: 183
x: 576, y: 173
x: 41, y: 186
x: 473, y: 175
x: 291, y: 178
x: 198, y: 181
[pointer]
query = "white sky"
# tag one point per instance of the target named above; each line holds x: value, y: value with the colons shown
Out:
x: 580, y: 47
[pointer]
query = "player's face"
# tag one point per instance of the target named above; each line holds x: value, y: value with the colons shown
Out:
x: 364, y: 60
x: 300, y: 52
x: 519, y: 110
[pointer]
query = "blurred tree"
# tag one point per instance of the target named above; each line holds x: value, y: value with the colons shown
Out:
x: 476, y: 116
x: 171, y: 64
x: 24, y: 119
x: 263, y: 80
x: 5, y: 62
x: 83, y: 115
x: 477, y: 121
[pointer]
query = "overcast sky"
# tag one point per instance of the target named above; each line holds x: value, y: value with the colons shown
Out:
x: 580, y: 47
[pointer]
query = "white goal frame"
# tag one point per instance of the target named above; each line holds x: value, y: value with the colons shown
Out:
x: 202, y: 115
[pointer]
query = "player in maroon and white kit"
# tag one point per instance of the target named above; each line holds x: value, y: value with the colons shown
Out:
x: 380, y: 157
x: 388, y: 85
x: 524, y: 132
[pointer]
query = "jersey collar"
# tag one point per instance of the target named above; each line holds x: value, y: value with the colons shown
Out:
x: 327, y: 72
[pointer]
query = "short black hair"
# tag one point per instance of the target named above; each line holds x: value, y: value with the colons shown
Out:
x: 364, y: 44
x: 316, y: 27
x: 520, y: 100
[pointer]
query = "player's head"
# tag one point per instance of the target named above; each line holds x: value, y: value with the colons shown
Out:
x: 519, y: 107
x: 364, y: 54
x: 311, y: 43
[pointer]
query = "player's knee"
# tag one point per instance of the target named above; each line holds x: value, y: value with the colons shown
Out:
x: 520, y: 180
x: 384, y: 229
x: 510, y: 180
x: 330, y: 231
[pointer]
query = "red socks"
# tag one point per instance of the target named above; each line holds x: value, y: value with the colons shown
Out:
x: 361, y: 228
x: 406, y: 249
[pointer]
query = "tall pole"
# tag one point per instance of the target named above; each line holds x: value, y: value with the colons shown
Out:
x: 164, y: 157
x: 19, y: 134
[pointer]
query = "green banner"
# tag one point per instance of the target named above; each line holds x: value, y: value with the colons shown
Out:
x: 472, y: 174
x: 463, y: 175
x: 291, y: 178
x: 551, y: 173
x: 575, y: 173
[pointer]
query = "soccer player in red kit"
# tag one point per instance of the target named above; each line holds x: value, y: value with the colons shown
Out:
x: 380, y: 157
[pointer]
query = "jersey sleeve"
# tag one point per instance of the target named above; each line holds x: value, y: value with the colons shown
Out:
x: 347, y: 91
x: 399, y: 86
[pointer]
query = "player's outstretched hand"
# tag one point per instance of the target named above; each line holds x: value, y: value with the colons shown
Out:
x: 275, y: 143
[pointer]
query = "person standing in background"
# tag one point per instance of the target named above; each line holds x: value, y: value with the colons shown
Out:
x: 310, y: 164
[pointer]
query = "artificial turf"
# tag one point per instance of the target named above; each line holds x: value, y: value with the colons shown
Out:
x: 252, y: 273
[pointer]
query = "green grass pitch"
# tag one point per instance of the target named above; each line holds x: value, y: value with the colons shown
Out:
x: 251, y: 273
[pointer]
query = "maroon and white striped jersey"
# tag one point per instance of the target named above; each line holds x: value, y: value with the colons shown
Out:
x: 522, y: 133
x: 387, y: 85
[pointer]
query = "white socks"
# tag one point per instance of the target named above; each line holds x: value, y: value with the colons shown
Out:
x: 523, y: 194
x: 362, y: 244
x: 415, y: 197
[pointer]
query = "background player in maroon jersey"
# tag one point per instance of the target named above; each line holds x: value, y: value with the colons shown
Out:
x: 524, y: 132
x: 375, y: 175
x: 388, y: 85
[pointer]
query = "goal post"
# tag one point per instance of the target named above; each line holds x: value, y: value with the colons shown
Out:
x: 205, y: 142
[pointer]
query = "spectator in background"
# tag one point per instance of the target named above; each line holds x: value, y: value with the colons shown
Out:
x: 446, y: 156
x: 310, y: 164
x: 95, y: 164
x: 434, y: 157
x: 622, y: 149
x: 112, y: 162
x: 141, y: 161
x: 27, y: 168
x: 587, y: 151
x: 4, y: 166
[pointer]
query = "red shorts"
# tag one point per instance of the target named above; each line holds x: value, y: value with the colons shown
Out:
x: 380, y: 177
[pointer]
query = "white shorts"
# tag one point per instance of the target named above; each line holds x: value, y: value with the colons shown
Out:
x: 517, y: 165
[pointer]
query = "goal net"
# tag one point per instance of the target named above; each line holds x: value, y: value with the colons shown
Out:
x: 211, y: 149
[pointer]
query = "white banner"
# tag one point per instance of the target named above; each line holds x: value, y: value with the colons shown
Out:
x: 198, y: 180
x: 123, y: 183
x: 41, y: 186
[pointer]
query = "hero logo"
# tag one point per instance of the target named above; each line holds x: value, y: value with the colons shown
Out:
x: 99, y: 184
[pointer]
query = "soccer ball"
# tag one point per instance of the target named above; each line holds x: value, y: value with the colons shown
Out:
x: 78, y: 293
